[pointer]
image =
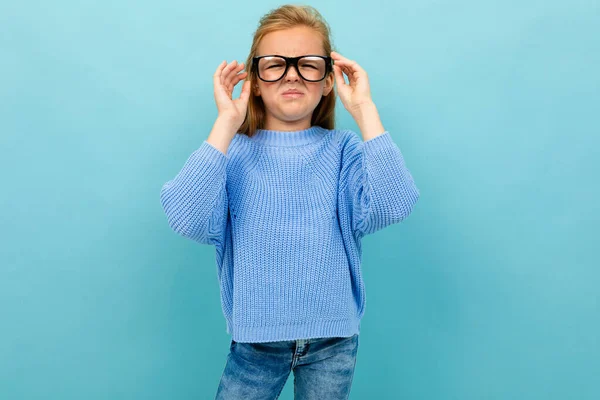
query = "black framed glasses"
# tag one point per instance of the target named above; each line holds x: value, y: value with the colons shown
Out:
x: 311, y: 68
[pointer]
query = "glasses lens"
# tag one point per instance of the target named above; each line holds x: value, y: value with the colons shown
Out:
x: 310, y: 68
x: 271, y: 68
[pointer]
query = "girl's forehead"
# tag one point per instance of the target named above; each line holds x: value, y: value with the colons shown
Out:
x: 291, y: 42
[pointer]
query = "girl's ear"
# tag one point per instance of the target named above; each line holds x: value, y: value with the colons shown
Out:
x: 328, y: 84
x: 256, y: 90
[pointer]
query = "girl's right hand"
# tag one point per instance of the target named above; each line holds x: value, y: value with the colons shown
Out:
x: 225, y: 78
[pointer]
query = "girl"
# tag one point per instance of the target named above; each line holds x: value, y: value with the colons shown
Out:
x: 286, y: 198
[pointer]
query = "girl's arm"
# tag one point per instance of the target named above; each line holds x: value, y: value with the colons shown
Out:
x: 195, y: 200
x: 375, y: 183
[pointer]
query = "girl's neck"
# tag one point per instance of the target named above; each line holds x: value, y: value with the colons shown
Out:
x: 274, y: 124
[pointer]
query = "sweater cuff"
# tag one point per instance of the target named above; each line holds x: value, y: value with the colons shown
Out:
x: 378, y: 142
x: 207, y: 153
x: 210, y: 151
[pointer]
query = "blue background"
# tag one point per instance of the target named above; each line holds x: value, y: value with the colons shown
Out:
x: 489, y: 290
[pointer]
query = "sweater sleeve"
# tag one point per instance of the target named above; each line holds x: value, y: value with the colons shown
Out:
x: 375, y: 180
x: 195, y: 200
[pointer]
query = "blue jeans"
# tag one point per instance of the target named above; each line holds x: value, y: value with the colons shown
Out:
x: 323, y: 369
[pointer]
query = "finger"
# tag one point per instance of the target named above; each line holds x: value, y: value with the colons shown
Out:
x: 234, y: 71
x: 230, y: 78
x: 344, y: 65
x: 220, y: 91
x: 239, y: 77
x: 217, y: 75
x: 337, y: 56
x: 226, y: 71
x: 234, y: 77
x: 245, y: 94
x: 235, y: 81
x: 220, y: 67
x: 348, y: 72
x: 339, y: 78
x: 353, y: 65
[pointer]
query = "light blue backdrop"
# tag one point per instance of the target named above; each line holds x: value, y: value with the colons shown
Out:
x: 489, y: 290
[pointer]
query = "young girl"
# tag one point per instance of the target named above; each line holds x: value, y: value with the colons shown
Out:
x: 286, y: 198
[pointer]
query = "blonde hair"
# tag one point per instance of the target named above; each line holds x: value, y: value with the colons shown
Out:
x: 285, y: 17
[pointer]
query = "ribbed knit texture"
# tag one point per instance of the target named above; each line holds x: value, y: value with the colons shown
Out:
x: 286, y: 212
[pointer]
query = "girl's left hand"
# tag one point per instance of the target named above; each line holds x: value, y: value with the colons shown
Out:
x: 357, y: 92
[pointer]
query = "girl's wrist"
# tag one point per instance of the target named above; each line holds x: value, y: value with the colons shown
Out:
x: 227, y: 123
x: 368, y: 120
x: 222, y: 133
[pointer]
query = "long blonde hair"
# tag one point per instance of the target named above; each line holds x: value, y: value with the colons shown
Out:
x: 285, y: 17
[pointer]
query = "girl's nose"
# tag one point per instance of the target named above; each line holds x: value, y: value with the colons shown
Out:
x: 292, y: 73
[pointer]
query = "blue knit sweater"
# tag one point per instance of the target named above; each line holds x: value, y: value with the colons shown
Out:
x: 286, y: 212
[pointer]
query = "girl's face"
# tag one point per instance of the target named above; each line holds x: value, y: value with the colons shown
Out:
x: 287, y: 113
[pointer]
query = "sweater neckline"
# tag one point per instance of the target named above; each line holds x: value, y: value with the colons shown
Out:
x: 288, y: 138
